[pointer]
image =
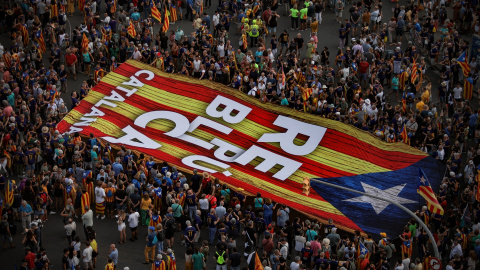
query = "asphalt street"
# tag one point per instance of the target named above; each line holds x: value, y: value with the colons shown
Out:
x: 131, y: 254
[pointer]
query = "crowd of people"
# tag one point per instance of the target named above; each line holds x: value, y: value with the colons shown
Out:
x: 83, y: 179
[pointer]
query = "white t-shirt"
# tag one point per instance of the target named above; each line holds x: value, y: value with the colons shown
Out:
x: 457, y: 92
x: 203, y: 204
x: 136, y: 55
x: 99, y: 195
x: 87, y: 254
x: 133, y: 220
x: 294, y: 266
x: 221, y: 50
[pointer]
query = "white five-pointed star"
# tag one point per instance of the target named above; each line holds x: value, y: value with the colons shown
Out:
x: 423, y: 180
x: 364, y: 251
x: 379, y: 205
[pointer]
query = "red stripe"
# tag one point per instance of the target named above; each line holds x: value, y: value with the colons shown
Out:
x: 396, y: 160
x: 428, y: 192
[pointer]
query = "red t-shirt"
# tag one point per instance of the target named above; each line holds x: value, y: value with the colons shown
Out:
x: 30, y: 257
x: 70, y: 59
x: 364, y: 67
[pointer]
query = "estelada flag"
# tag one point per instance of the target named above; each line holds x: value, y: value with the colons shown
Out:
x: 462, y: 61
x: 425, y: 190
x: 84, y: 42
x: 7, y: 59
x: 40, y: 40
x: 468, y: 88
x: 131, y: 30
x: 155, y: 13
x: 192, y: 124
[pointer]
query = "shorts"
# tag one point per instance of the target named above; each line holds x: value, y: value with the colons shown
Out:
x: 168, y: 234
x: 94, y: 254
x: 303, y: 21
x: 121, y: 207
x: 31, y: 167
x: 339, y: 13
x: 88, y: 265
x: 121, y: 227
x: 399, y: 32
x: 70, y: 69
x: 284, y: 45
x: 133, y: 229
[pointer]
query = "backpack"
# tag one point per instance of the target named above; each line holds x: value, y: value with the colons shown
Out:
x: 254, y: 31
x: 306, y: 255
x: 109, y: 193
x: 227, y: 195
x: 260, y: 225
x: 171, y: 225
x: 44, y: 197
x: 220, y: 259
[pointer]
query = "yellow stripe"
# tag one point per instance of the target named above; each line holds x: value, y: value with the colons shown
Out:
x: 331, y: 124
x: 114, y: 131
x: 321, y: 154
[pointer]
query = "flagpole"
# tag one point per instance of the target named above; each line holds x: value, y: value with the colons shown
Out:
x: 435, y: 248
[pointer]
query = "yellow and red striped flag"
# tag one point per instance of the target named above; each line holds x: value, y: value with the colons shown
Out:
x: 258, y: 262
x: 131, y: 30
x: 9, y: 193
x: 405, y: 138
x: 26, y: 38
x: 84, y: 42
x: 53, y: 11
x: 166, y: 22
x: 425, y: 190
x: 155, y: 13
x: 414, y: 72
x: 7, y: 59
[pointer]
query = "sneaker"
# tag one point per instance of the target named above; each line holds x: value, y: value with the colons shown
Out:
x: 116, y: 216
x: 52, y: 213
x: 98, y: 216
x: 103, y: 217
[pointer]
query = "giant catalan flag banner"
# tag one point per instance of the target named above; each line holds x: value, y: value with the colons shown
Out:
x: 255, y: 146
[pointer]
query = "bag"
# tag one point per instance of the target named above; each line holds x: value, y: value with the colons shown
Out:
x: 155, y: 240
x: 13, y: 229
x: 109, y: 193
x: 254, y: 31
x: 3, y: 228
x: 220, y: 259
x: 379, y: 18
x: 305, y: 256
x: 160, y: 236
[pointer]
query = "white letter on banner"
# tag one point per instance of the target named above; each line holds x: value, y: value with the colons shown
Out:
x: 226, y: 113
x: 189, y: 161
x: 74, y: 129
x: 130, y: 135
x: 294, y: 127
x: 95, y: 112
x: 103, y: 101
x: 134, y: 82
x: 181, y: 122
x: 206, y: 122
x: 129, y: 92
x: 270, y: 160
x: 86, y: 121
x: 148, y: 72
x: 115, y: 97
x: 223, y: 148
